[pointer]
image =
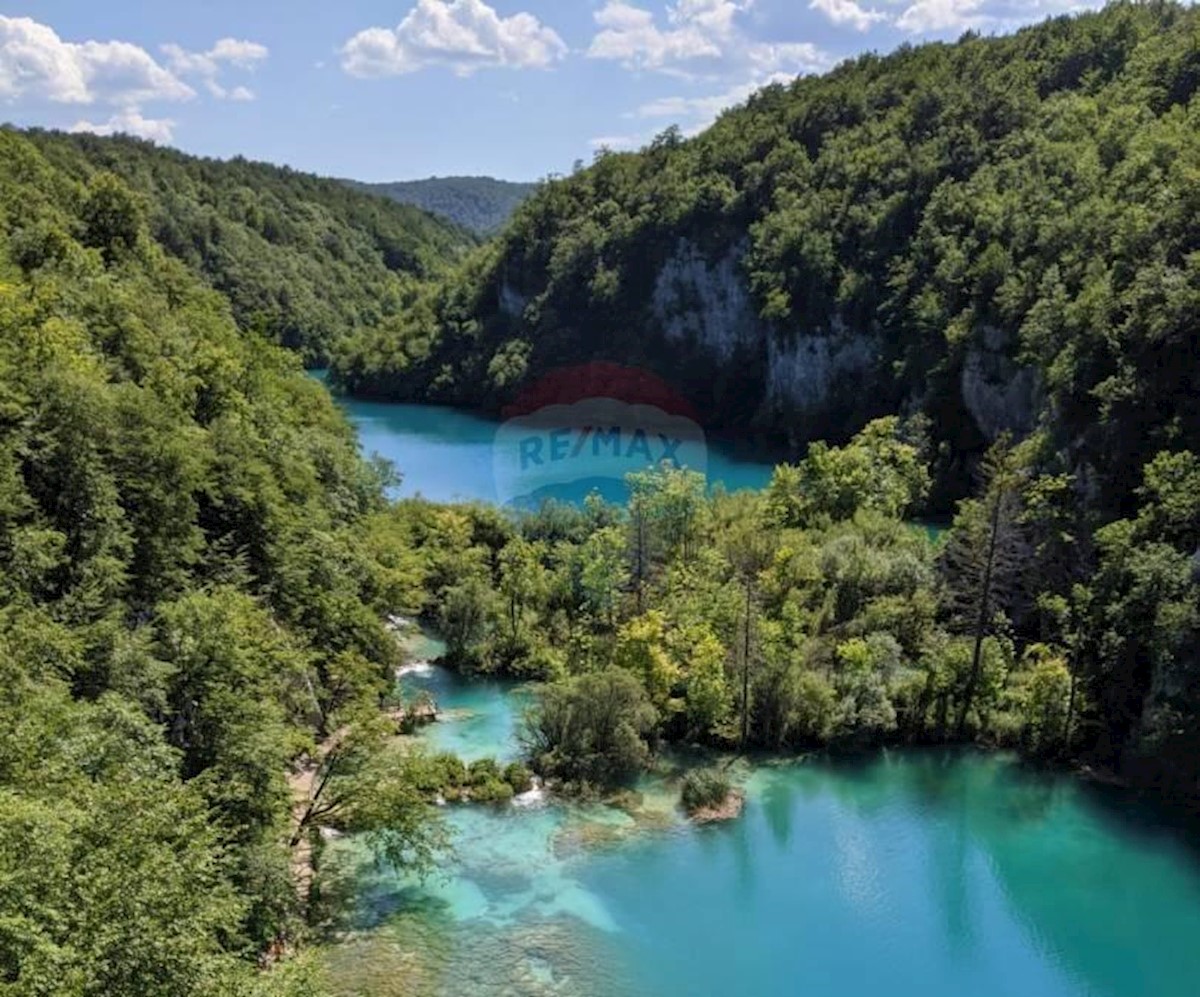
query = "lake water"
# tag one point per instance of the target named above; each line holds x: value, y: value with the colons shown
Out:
x: 911, y: 874
x: 447, y: 455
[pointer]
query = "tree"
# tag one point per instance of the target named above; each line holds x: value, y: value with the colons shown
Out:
x: 642, y: 538
x: 523, y: 579
x: 1043, y: 689
x: 466, y: 615
x: 1142, y: 619
x: 880, y: 469
x: 362, y: 785
x: 604, y: 572
x: 591, y: 730
x: 665, y: 506
x: 111, y: 216
x: 642, y: 649
x: 865, y: 666
x: 709, y: 700
x: 984, y: 558
x: 748, y: 550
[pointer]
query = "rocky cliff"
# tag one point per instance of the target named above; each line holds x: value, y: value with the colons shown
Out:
x: 998, y: 234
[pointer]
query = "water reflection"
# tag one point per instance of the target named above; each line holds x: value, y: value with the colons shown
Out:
x: 932, y: 872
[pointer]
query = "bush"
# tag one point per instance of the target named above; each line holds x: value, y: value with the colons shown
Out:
x: 591, y: 730
x: 519, y: 777
x: 483, y: 770
x: 491, y: 791
x: 483, y: 781
x: 704, y: 788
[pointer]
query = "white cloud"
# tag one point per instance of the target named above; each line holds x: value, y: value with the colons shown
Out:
x: 694, y: 114
x: 238, y: 93
x: 208, y: 66
x: 238, y: 52
x: 690, y: 108
x: 36, y: 63
x: 130, y: 122
x: 463, y: 35
x: 926, y: 16
x: 791, y: 58
x: 848, y: 12
x: 942, y: 15
x: 701, y: 39
x: 628, y: 35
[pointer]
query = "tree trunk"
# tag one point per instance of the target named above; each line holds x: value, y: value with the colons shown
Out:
x: 981, y: 623
x: 1066, y: 745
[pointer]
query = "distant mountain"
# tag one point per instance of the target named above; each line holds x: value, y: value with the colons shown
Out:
x: 481, y: 204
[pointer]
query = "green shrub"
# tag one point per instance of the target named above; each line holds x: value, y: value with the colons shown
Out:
x: 519, y: 777
x: 482, y: 771
x: 591, y: 730
x: 704, y: 788
x: 491, y: 791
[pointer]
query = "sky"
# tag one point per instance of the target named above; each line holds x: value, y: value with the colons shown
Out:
x: 403, y: 89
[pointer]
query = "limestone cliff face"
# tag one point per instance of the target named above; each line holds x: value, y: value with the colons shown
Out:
x: 805, y: 371
x: 704, y: 305
x: 1001, y: 395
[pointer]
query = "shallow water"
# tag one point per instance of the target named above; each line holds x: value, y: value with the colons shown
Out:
x: 915, y: 874
x: 924, y: 873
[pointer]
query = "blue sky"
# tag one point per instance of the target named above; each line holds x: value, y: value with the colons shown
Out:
x: 411, y: 88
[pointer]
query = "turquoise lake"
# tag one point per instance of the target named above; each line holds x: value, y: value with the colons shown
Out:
x: 907, y: 874
x: 917, y: 874
x: 447, y: 455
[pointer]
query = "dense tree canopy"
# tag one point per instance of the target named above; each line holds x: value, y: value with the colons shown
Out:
x: 1000, y: 232
x: 303, y: 260
x: 194, y: 566
x: 480, y: 204
x: 792, y: 619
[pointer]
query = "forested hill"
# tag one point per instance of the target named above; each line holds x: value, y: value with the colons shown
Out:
x: 1001, y: 233
x: 304, y: 260
x: 194, y: 562
x: 481, y: 204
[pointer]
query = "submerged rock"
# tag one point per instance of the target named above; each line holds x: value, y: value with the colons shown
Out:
x: 433, y: 957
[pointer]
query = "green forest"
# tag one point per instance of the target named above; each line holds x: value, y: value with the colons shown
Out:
x: 194, y: 568
x: 200, y: 572
x: 480, y: 204
x: 1020, y: 209
x: 303, y: 260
